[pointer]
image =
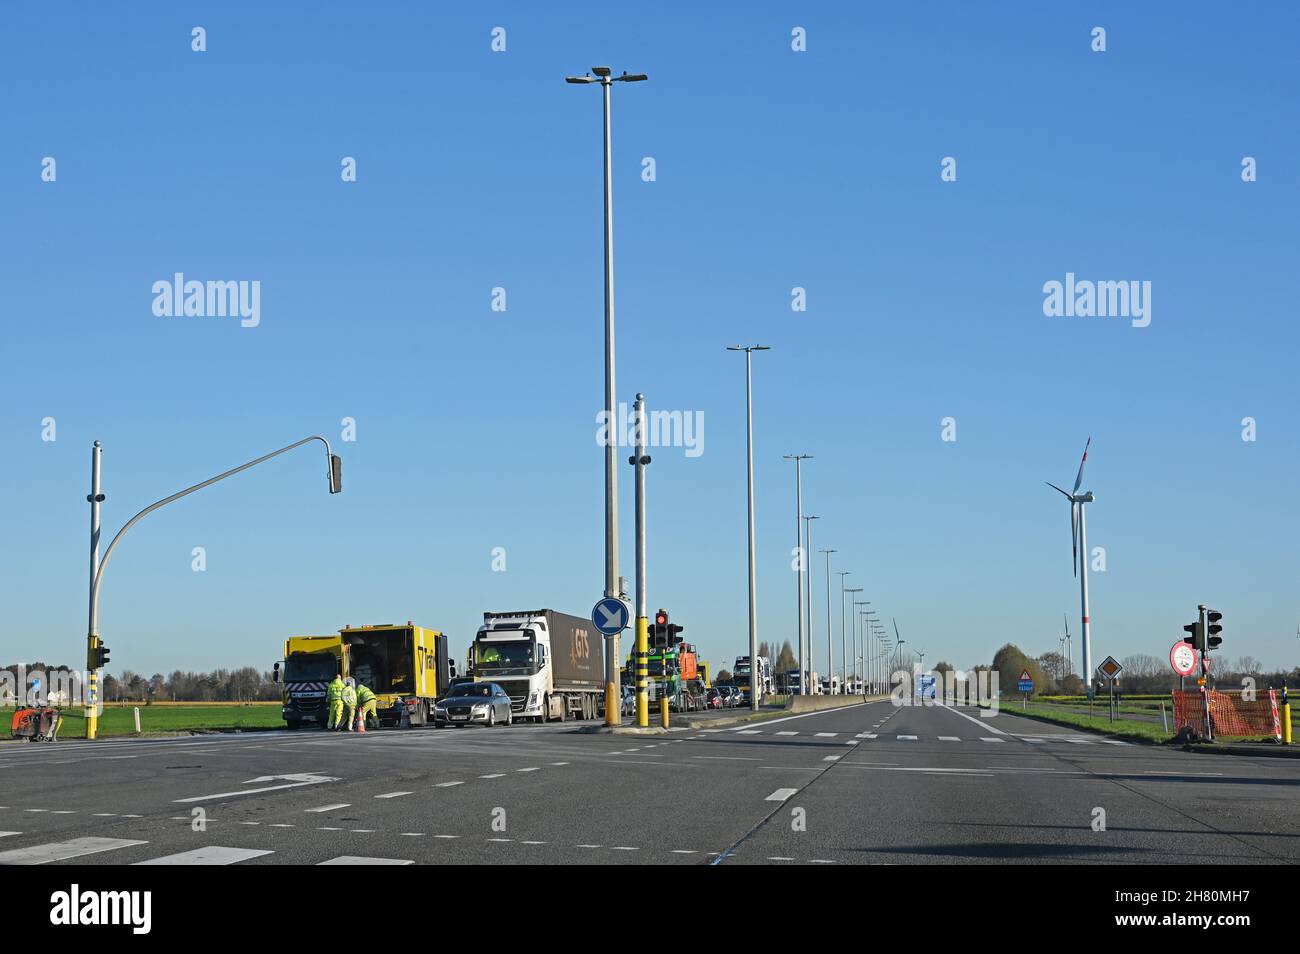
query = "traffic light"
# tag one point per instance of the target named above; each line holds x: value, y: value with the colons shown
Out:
x: 1213, y: 629
x: 98, y: 656
x: 663, y: 633
x: 1197, y: 639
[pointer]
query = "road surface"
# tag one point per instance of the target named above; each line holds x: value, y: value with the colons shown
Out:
x: 866, y: 784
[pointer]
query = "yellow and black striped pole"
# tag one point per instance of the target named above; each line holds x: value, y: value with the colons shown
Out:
x: 642, y: 672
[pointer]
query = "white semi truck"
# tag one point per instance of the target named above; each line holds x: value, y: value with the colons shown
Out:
x: 551, y: 665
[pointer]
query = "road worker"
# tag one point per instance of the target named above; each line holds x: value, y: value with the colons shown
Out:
x: 349, y: 705
x: 367, y: 705
x: 334, y: 695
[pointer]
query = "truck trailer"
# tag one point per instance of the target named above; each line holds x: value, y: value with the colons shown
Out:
x: 405, y: 667
x: 551, y: 665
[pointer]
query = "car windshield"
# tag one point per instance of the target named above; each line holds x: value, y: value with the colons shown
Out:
x: 477, y: 689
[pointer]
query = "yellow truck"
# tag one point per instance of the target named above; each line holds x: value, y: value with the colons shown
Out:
x: 405, y: 667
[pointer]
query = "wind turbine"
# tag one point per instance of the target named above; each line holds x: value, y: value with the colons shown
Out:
x: 1079, y: 557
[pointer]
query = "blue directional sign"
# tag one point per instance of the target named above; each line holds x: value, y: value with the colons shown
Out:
x: 610, y: 615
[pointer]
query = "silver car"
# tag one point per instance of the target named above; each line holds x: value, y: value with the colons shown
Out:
x: 484, y: 703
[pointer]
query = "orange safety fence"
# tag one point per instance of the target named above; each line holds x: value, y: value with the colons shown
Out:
x: 1231, y: 713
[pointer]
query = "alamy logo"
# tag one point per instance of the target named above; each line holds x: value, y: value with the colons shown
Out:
x: 1089, y: 299
x: 74, y: 907
x: 212, y: 299
x: 658, y: 428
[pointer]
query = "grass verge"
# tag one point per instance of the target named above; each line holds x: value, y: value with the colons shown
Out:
x: 1129, y: 729
x: 163, y: 720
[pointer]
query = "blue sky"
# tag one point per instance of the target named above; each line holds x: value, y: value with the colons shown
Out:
x: 775, y: 169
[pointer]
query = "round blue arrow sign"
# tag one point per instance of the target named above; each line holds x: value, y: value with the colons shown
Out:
x: 610, y: 615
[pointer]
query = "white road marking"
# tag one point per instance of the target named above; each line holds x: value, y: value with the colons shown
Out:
x: 949, y: 738
x: 779, y: 858
x: 787, y: 732
x: 1033, y: 740
x: 986, y: 739
x: 827, y: 735
x: 5, y: 834
x: 392, y: 795
x: 211, y: 855
x: 621, y: 848
x: 532, y: 843
x: 728, y: 758
x: 909, y: 737
x: 981, y: 722
x: 301, y: 780
x: 330, y: 808
x: 494, y: 775
x: 362, y: 860
x: 62, y: 850
x: 780, y: 795
x: 831, y: 758
x: 685, y: 851
x: 750, y: 732
x: 559, y: 763
x: 530, y: 769
x: 448, y: 784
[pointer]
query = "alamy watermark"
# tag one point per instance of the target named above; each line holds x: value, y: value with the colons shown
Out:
x: 212, y: 299
x: 949, y: 688
x: 659, y: 429
x: 1083, y: 298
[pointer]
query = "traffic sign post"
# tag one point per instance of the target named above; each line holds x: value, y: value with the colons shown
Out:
x: 1109, y: 670
x: 1026, y: 686
x: 1183, y: 658
x: 610, y: 616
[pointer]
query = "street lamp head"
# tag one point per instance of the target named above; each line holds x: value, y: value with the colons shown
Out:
x: 601, y: 71
x: 631, y: 77
x: 580, y: 79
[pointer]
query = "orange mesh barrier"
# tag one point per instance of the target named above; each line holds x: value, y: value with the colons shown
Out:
x: 1231, y: 713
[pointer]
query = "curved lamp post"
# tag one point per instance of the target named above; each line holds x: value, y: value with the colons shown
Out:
x: 94, y: 660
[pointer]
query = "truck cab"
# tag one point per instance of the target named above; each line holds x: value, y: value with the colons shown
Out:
x: 548, y: 663
x: 310, y: 665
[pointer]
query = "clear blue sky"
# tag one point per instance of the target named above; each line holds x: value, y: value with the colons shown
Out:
x: 775, y: 169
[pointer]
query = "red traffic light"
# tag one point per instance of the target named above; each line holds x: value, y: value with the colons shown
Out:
x: 661, y: 618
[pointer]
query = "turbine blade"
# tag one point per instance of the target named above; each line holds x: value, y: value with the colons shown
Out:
x: 1058, y: 489
x: 1079, y: 479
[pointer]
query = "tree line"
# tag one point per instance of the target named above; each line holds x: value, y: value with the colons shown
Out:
x: 245, y: 684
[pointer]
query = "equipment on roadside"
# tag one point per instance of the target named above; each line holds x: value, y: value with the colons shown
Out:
x: 36, y: 724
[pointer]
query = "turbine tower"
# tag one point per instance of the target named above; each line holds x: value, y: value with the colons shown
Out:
x: 1079, y: 557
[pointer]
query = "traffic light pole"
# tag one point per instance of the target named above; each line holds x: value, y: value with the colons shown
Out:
x: 639, y: 460
x: 95, y: 651
x: 96, y: 498
x: 1205, y: 679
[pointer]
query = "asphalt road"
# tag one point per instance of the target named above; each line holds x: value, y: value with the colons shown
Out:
x: 866, y: 784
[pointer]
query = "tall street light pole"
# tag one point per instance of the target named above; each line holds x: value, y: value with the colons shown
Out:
x: 94, y: 650
x: 830, y: 655
x: 612, y: 587
x: 856, y: 604
x: 807, y: 549
x: 843, y: 625
x: 799, y: 551
x: 754, y: 689
x: 853, y: 603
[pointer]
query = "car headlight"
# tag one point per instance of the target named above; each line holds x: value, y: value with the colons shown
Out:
x: 480, y: 707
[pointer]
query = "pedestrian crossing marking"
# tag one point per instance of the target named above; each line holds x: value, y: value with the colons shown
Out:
x: 211, y: 855
x: 363, y: 860
x: 62, y: 850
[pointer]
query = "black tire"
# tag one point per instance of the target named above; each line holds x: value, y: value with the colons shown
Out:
x: 492, y: 717
x: 510, y: 718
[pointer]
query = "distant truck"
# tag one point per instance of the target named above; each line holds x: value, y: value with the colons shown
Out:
x: 405, y: 667
x: 551, y: 665
x: 740, y: 675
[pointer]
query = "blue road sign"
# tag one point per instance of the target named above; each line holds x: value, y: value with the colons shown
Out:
x: 610, y: 615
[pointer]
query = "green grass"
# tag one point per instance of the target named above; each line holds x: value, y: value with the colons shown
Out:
x: 156, y: 720
x: 1122, y: 728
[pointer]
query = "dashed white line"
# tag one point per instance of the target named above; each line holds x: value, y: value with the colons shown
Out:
x: 392, y: 795
x: 329, y: 808
x: 448, y: 784
x: 780, y: 795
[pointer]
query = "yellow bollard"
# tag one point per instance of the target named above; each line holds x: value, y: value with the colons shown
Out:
x: 611, y: 704
x: 1286, y: 723
x: 663, y: 710
x: 642, y: 672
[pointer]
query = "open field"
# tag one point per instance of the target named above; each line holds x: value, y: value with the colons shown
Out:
x: 165, y: 718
